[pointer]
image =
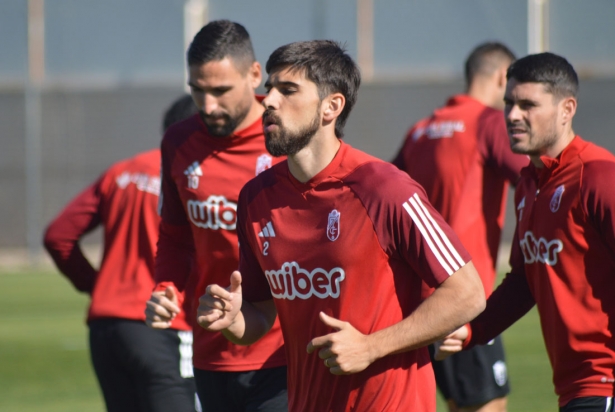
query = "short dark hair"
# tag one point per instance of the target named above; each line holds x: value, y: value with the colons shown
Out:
x: 325, y: 63
x: 485, y: 59
x: 555, y: 72
x: 182, y: 108
x: 220, y: 39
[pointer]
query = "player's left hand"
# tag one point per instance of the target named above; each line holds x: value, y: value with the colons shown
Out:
x: 344, y: 351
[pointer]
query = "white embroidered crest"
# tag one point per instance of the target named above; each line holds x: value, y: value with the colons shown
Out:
x: 556, y: 199
x: 263, y: 163
x: 333, y: 225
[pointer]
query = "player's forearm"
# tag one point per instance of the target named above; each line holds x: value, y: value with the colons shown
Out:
x: 174, y: 256
x: 70, y: 260
x: 457, y: 301
x: 511, y: 300
x: 251, y: 323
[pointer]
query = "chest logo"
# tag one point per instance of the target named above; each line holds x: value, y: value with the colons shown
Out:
x: 193, y: 172
x: 143, y: 182
x: 556, y: 199
x: 333, y: 225
x: 291, y: 282
x: 540, y: 250
x: 263, y: 163
x: 214, y: 213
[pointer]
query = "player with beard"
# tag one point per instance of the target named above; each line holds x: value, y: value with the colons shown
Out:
x: 205, y: 162
x: 337, y: 243
x: 563, y: 256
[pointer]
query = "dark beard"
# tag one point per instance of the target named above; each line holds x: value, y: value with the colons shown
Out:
x: 284, y: 143
x: 228, y: 127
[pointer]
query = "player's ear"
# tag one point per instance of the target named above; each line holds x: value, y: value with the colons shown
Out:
x: 333, y: 106
x: 568, y: 108
x: 255, y: 75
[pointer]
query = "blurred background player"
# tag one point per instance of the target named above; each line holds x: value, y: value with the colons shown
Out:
x: 462, y: 158
x: 563, y: 255
x: 206, y: 160
x: 337, y: 243
x: 138, y: 369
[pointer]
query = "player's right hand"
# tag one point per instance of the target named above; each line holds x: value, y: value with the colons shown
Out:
x: 219, y: 306
x: 451, y: 343
x: 161, y: 309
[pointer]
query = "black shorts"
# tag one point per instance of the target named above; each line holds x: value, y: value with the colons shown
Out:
x: 589, y: 404
x: 262, y: 390
x: 475, y: 376
x: 142, y: 369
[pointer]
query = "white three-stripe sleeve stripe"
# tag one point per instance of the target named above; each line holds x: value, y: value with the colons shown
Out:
x: 428, y: 221
x: 423, y: 231
x: 271, y: 231
x: 440, y: 231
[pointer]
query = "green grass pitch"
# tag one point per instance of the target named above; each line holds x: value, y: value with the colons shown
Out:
x: 45, y: 365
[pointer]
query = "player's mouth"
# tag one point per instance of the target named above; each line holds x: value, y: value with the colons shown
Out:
x: 270, y: 121
x: 516, y: 131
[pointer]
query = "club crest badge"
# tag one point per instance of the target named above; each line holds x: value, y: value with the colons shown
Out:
x: 263, y: 163
x: 333, y: 225
x: 556, y: 199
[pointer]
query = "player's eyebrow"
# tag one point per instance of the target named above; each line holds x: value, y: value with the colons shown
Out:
x: 278, y: 83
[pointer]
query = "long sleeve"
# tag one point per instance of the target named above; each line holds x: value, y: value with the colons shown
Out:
x: 511, y: 300
x: 63, y: 234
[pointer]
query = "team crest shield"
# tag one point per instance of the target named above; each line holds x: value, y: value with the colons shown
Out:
x: 556, y: 199
x: 333, y: 225
x: 263, y: 163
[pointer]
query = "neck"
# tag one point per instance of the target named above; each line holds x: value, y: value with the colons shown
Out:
x: 255, y: 113
x: 483, y: 92
x: 554, y: 150
x: 313, y: 158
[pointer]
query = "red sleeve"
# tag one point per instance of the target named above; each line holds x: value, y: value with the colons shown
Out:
x: 175, y: 250
x: 63, y: 234
x: 255, y: 287
x: 511, y: 300
x: 494, y: 146
x: 598, y: 196
x: 407, y: 225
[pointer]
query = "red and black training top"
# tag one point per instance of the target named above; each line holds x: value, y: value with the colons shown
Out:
x: 563, y: 260
x: 201, y: 179
x: 356, y: 242
x: 124, y: 201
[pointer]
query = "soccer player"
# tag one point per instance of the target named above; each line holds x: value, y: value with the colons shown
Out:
x: 563, y: 256
x: 461, y: 157
x: 138, y: 369
x: 206, y: 160
x: 337, y: 243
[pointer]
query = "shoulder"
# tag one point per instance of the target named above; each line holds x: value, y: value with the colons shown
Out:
x: 489, y: 118
x: 375, y: 180
x: 263, y: 180
x: 598, y: 168
x: 180, y: 132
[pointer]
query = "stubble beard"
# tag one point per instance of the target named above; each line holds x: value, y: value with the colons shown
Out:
x: 230, y: 122
x: 286, y: 143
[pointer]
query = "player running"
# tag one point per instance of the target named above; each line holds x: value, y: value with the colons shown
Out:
x: 205, y: 162
x: 563, y: 256
x: 337, y: 244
